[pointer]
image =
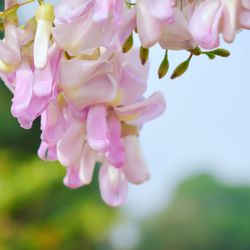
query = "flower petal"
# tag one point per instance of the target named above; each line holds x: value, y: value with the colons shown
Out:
x: 72, y: 178
x: 87, y: 82
x: 113, y: 185
x: 87, y: 164
x: 41, y: 43
x: 143, y: 111
x: 115, y: 153
x: 47, y: 152
x: 97, y: 129
x: 134, y: 167
x: 23, y: 89
x: 70, y: 146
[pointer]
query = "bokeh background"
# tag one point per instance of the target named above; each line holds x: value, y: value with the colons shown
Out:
x: 198, y: 155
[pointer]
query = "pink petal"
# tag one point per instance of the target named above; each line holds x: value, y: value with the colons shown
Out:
x: 204, y: 25
x: 134, y: 167
x: 162, y: 10
x: 113, y: 185
x: 115, y: 153
x: 53, y: 124
x: 101, y: 11
x: 87, y: 164
x: 143, y: 111
x: 97, y: 129
x: 70, y: 146
x: 72, y: 179
x: 87, y: 82
x: 23, y: 89
x: 176, y: 36
x: 80, y: 35
x: 69, y: 10
x: 230, y: 18
x: 149, y: 28
x: 131, y: 75
x: 116, y: 33
x: 47, y: 152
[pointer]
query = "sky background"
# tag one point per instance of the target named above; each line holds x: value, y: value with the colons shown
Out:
x: 206, y: 126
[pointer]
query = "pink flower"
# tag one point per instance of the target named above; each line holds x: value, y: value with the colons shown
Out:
x: 77, y: 20
x: 103, y: 8
x: 212, y: 18
x: 100, y: 133
x: 176, y: 36
x: 244, y: 16
x: 33, y: 89
x: 151, y: 17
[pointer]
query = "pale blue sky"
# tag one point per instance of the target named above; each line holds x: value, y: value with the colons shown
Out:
x: 206, y: 126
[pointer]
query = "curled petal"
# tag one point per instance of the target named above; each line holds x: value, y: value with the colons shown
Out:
x: 113, y: 185
x: 143, y: 111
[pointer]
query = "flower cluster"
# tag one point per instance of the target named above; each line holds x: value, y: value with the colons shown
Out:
x: 68, y: 66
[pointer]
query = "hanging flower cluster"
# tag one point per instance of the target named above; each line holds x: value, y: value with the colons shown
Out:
x: 74, y: 66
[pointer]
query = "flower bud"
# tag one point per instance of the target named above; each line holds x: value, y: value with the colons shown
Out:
x: 181, y: 69
x: 128, y: 45
x: 221, y: 52
x: 144, y: 53
x: 164, y: 67
x: 44, y: 17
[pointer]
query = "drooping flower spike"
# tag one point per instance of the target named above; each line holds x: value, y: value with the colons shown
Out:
x: 66, y: 66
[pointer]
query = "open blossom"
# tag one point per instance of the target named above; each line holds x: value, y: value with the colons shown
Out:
x: 110, y: 124
x: 220, y: 16
x: 151, y: 17
x: 33, y: 89
x: 75, y: 21
x: 85, y: 126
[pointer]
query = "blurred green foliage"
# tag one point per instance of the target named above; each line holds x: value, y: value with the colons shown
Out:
x: 204, y: 215
x: 38, y: 212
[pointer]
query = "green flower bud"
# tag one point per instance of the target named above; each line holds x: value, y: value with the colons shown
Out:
x: 221, y: 52
x: 128, y: 45
x: 181, y: 69
x: 164, y: 67
x: 144, y: 53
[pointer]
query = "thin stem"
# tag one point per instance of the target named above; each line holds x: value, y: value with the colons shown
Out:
x: 40, y: 2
